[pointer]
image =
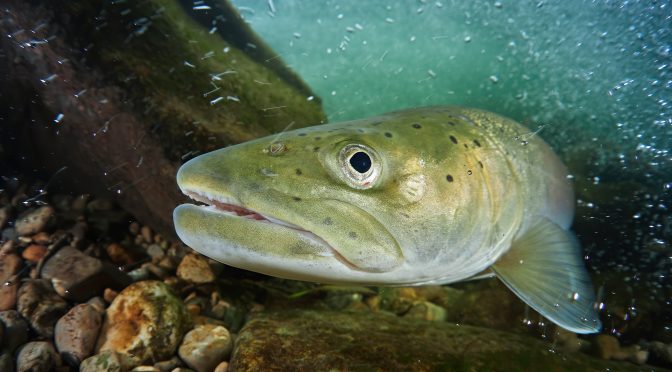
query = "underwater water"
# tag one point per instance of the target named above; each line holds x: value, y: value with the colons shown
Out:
x: 593, y: 78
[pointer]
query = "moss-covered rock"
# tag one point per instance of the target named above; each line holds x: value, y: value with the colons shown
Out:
x: 325, y: 340
x: 126, y: 91
x: 146, y: 321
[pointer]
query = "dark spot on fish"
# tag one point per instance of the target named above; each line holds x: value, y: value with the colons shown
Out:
x: 452, y: 138
x: 477, y: 143
x: 388, y: 134
x: 451, y: 123
x: 328, y: 221
x: 302, y: 134
x: 377, y: 123
x: 449, y: 178
x: 298, y: 172
x: 416, y: 125
x: 316, y: 148
x: 296, y: 198
x: 481, y: 164
x: 360, y: 130
x: 352, y: 235
x: 318, y: 138
x: 465, y: 146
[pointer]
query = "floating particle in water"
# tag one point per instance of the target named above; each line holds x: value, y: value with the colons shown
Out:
x: 186, y: 63
x: 297, y: 35
x: 310, y: 98
x: 48, y: 78
x: 389, y: 20
x: 498, y: 4
x: 58, y: 118
x: 493, y: 79
x: 233, y: 98
x: 200, y: 5
x: 431, y: 73
x: 467, y: 39
x: 358, y: 26
x: 216, y: 100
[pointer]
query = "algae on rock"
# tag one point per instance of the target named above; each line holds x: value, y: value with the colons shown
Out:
x: 126, y: 91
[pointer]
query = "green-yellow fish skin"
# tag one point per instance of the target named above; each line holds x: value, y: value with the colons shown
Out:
x: 449, y: 192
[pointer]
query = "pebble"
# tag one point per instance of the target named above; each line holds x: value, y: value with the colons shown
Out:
x: 205, y: 346
x: 33, y: 220
x: 15, y: 330
x: 79, y: 277
x: 98, y: 304
x: 155, y: 252
x: 119, y: 255
x: 222, y: 367
x: 425, y: 310
x: 38, y: 303
x: 41, y: 238
x: 608, y: 347
x: 109, y: 360
x: 146, y: 234
x: 34, y: 253
x: 9, y: 266
x: 37, y: 356
x: 76, y: 333
x: 109, y: 295
x: 146, y: 320
x: 195, y: 269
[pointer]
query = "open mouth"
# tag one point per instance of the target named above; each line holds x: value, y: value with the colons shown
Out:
x: 231, y: 207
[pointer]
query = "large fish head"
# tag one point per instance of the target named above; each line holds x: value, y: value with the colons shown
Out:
x: 318, y: 204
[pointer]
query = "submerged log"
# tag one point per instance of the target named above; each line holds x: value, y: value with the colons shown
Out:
x: 118, y: 94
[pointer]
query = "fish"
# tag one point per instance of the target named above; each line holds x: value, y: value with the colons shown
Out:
x: 432, y: 195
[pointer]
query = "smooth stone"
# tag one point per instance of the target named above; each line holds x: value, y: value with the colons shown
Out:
x: 205, y: 346
x: 15, y: 330
x: 146, y: 320
x: 41, y: 305
x: 222, y: 367
x: 37, y: 356
x: 79, y: 277
x: 9, y: 266
x: 146, y: 234
x: 109, y: 360
x: 76, y: 333
x: 425, y: 310
x: 33, y: 221
x: 338, y: 340
x: 34, y: 253
x: 195, y: 269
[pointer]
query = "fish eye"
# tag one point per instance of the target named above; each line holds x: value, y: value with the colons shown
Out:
x: 360, y: 165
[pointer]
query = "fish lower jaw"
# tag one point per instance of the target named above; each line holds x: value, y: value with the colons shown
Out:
x: 231, y: 207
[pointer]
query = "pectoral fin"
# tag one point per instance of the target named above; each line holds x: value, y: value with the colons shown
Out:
x: 545, y: 269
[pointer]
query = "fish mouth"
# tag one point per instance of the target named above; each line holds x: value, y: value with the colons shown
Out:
x: 231, y: 207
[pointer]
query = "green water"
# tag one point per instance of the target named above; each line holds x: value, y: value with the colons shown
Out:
x: 594, y: 79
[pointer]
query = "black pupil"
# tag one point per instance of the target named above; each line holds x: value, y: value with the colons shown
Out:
x: 361, y: 162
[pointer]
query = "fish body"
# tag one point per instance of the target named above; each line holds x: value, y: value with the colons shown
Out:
x: 431, y: 195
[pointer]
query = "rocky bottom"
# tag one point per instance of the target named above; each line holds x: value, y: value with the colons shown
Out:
x: 86, y: 287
